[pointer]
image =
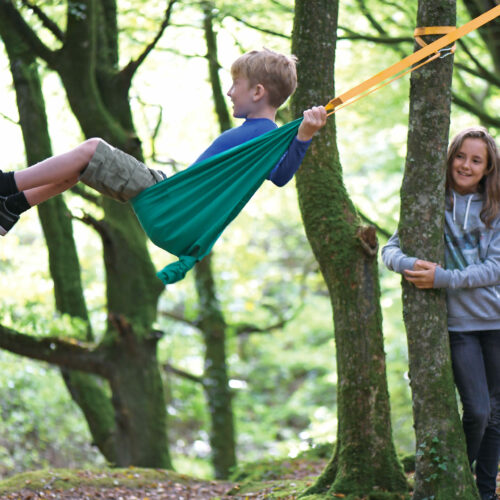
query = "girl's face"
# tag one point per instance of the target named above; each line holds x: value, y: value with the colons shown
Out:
x: 469, y: 165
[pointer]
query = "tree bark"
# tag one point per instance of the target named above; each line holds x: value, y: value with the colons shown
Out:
x: 365, y: 460
x: 98, y: 95
x: 215, y: 375
x: 55, y: 218
x: 211, y: 319
x: 442, y: 469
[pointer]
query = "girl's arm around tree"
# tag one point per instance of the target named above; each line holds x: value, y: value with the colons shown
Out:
x: 485, y: 273
x: 424, y: 274
x: 394, y: 258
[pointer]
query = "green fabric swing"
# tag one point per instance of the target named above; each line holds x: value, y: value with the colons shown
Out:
x: 185, y: 214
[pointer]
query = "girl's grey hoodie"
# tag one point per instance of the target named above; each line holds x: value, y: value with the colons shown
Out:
x: 472, y: 265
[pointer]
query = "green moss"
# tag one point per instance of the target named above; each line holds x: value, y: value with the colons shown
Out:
x: 101, y: 478
x: 320, y: 451
x: 371, y: 496
x: 265, y: 470
x: 282, y: 490
x: 65, y: 479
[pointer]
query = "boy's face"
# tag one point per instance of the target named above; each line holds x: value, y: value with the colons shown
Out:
x: 243, y: 97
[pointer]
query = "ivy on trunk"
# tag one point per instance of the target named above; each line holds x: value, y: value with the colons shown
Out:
x: 442, y: 468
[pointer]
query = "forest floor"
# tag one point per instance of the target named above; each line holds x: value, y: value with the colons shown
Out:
x: 267, y: 480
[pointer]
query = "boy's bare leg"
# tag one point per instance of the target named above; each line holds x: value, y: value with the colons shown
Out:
x: 37, y: 195
x: 60, y: 170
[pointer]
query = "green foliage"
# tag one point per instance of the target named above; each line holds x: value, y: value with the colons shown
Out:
x: 39, y: 424
x: 283, y: 379
x: 265, y: 470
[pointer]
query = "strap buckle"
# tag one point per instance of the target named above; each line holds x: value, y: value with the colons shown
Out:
x: 446, y: 51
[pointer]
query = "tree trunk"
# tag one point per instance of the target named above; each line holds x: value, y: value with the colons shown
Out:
x: 442, y: 469
x: 215, y: 376
x: 138, y: 398
x: 55, y: 218
x: 98, y: 95
x: 211, y: 318
x: 365, y: 460
x: 221, y: 110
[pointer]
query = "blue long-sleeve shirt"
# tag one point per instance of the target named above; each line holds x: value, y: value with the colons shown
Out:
x: 253, y: 127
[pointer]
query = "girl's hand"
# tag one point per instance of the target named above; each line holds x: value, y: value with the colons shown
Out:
x: 314, y: 119
x: 422, y: 275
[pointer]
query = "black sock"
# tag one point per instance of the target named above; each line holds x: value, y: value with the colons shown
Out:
x: 7, y: 184
x: 17, y: 203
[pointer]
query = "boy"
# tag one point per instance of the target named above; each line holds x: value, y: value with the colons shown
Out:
x: 262, y: 81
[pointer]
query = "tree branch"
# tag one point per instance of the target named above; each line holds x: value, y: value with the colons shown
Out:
x: 489, y: 32
x: 87, y: 195
x: 379, y: 229
x: 67, y: 354
x: 257, y: 28
x: 284, y: 8
x: 481, y: 71
x: 46, y: 21
x: 99, y: 225
x: 472, y: 108
x: 400, y: 7
x: 349, y: 34
x: 181, y: 373
x: 248, y: 328
x: 367, y: 13
x: 488, y: 77
x: 180, y: 318
x: 240, y: 329
x: 132, y: 66
x: 8, y: 10
x: 154, y: 132
x: 9, y: 119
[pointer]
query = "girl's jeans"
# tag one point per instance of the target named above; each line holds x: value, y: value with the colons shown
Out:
x: 476, y: 367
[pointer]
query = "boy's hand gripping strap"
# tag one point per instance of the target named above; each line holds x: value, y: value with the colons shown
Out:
x: 436, y: 49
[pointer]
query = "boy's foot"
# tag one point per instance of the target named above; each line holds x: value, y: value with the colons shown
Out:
x: 7, y: 218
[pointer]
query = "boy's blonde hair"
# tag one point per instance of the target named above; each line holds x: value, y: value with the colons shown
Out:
x: 490, y: 183
x: 276, y: 72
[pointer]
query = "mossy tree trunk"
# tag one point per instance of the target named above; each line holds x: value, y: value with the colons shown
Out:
x: 365, y: 460
x: 215, y: 375
x: 442, y: 469
x: 211, y: 321
x: 87, y: 62
x: 55, y: 219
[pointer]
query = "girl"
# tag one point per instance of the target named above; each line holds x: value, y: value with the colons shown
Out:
x: 472, y: 279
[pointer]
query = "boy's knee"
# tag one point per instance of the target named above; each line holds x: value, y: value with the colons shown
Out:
x: 89, y: 146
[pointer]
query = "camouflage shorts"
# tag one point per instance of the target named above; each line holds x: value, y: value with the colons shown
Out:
x: 117, y: 174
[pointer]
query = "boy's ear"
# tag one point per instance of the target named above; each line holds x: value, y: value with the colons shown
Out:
x: 260, y: 92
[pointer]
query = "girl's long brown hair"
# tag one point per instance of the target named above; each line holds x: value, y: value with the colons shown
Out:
x: 490, y: 183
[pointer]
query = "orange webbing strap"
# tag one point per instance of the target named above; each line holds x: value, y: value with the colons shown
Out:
x: 430, y: 30
x: 435, y: 49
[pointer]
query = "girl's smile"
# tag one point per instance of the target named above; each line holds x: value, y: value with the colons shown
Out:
x: 469, y: 165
